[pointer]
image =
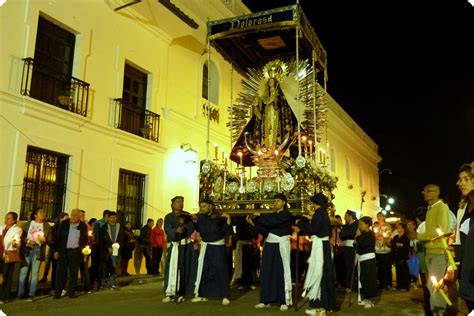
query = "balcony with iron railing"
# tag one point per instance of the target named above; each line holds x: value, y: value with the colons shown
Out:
x: 140, y: 122
x: 56, y: 88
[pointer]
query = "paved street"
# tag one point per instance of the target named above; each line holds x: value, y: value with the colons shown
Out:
x: 145, y: 299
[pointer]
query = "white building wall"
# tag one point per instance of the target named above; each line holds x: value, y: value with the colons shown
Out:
x: 151, y: 38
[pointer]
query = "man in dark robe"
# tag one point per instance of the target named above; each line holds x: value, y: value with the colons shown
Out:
x: 347, y: 236
x: 212, y: 274
x: 182, y: 257
x: 275, y: 270
x: 319, y: 284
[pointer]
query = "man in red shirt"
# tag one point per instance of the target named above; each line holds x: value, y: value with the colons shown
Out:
x: 157, y: 245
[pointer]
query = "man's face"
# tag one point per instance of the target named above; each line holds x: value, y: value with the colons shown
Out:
x: 430, y: 193
x: 112, y: 219
x: 465, y: 183
x: 279, y: 204
x: 204, y: 208
x: 178, y: 204
x: 75, y: 216
x: 83, y: 216
x: 151, y: 223
x: 363, y: 226
x: 347, y: 218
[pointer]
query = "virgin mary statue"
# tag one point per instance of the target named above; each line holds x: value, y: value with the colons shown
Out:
x: 271, y: 95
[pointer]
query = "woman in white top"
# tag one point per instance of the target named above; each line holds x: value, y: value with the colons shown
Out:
x: 10, y: 241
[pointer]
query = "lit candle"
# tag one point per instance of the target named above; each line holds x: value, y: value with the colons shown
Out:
x: 223, y: 155
x: 448, y: 253
x: 305, y: 145
x: 310, y: 149
x: 276, y: 152
x: 89, y: 233
x: 86, y: 250
x: 437, y: 287
x: 215, y: 151
x: 240, y: 155
x: 225, y: 162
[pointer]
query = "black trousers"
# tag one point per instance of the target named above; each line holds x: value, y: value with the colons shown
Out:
x: 403, y: 276
x: 156, y: 253
x: 94, y: 269
x: 68, y: 262
x: 147, y: 254
x: 250, y: 264
x: 349, y: 256
x: 6, y: 288
x: 384, y: 269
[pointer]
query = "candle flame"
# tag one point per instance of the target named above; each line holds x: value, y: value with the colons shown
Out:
x: 433, y: 279
x: 310, y: 142
x: 439, y: 231
x: 276, y: 152
x: 239, y: 154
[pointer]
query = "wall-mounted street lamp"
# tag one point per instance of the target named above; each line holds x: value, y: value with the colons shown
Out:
x: 383, y: 170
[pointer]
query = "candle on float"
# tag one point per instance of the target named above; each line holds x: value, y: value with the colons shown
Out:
x: 448, y: 253
x: 215, y: 151
x: 240, y: 156
x: 305, y: 145
x: 437, y: 287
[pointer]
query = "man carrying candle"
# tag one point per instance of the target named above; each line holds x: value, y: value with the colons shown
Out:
x: 71, y: 238
x: 438, y: 216
x: 111, y: 237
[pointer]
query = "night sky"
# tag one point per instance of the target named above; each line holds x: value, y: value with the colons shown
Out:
x: 404, y: 71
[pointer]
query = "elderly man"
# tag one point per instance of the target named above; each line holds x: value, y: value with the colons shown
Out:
x: 212, y: 275
x: 71, y: 238
x: 438, y: 216
x: 181, y: 258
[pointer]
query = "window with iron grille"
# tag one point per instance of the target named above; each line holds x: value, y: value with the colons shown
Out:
x: 44, y: 182
x: 131, y: 197
x: 133, y: 100
x: 53, y: 61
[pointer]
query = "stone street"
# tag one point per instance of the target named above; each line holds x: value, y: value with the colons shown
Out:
x: 145, y: 299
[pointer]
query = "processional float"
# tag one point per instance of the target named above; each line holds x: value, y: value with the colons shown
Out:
x: 278, y: 121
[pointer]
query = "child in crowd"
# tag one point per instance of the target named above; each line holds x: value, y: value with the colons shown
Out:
x: 366, y: 265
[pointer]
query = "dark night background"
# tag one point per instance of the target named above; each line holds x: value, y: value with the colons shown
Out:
x: 404, y: 71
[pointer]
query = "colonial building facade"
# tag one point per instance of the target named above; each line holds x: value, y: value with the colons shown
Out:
x: 104, y: 107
